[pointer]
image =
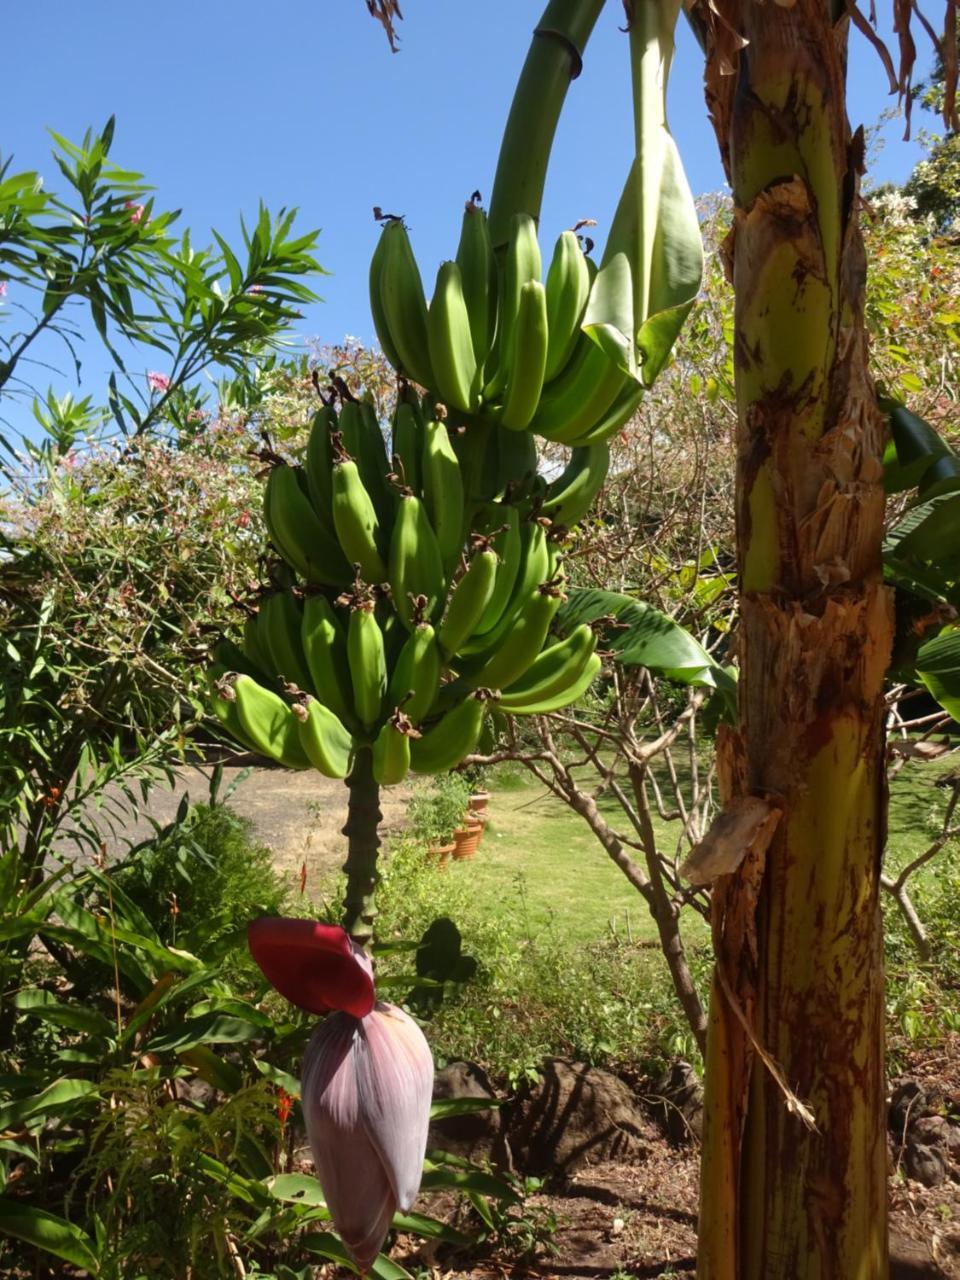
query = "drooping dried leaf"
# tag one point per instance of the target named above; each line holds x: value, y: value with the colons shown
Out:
x: 385, y: 11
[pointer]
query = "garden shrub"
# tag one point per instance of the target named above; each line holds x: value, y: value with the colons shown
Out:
x: 202, y: 882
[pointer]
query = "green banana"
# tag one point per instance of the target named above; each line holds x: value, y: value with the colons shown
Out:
x: 451, y: 343
x: 561, y: 698
x: 416, y: 673
x: 553, y: 671
x: 568, y: 289
x: 533, y: 569
x: 376, y: 302
x: 269, y: 723
x: 356, y: 522
x: 468, y: 600
x: 278, y: 629
x: 416, y: 565
x: 326, y: 742
x: 478, y: 275
x: 297, y: 533
x: 573, y: 403
x: 368, y: 663
x: 453, y: 736
x: 442, y: 485
x: 391, y: 750
x: 522, y: 265
x: 502, y: 524
x: 223, y: 701
x: 253, y: 646
x: 569, y: 497
x: 364, y: 442
x: 404, y: 305
x: 520, y: 647
x: 620, y: 412
x: 407, y: 444
x: 318, y: 462
x: 528, y: 358
x: 325, y: 652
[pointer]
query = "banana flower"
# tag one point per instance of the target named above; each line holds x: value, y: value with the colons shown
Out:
x: 366, y: 1078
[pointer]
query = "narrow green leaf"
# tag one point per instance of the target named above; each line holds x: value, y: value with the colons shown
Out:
x: 48, y: 1232
x: 54, y: 1098
x: 212, y: 1028
x: 444, y: 1107
x: 76, y: 1017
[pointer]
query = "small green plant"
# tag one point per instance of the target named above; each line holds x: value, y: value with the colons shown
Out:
x: 521, y: 1231
x: 437, y: 810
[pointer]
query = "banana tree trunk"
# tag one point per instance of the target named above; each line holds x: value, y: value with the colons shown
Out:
x: 797, y: 999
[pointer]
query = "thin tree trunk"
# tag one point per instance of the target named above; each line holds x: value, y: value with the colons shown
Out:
x: 362, y: 830
x: 797, y: 930
x: 666, y: 916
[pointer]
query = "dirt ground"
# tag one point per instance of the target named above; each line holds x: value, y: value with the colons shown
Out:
x: 298, y: 815
x: 639, y: 1221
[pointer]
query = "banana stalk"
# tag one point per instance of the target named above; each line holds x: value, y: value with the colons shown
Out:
x: 362, y: 830
x: 793, y: 1182
x: 554, y: 59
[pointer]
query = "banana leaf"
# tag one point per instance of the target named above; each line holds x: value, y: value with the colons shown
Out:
x: 640, y: 636
x: 917, y: 456
x: 938, y: 666
x: 922, y: 551
x: 652, y: 265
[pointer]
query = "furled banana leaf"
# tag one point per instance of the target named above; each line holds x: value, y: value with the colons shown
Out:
x: 653, y: 262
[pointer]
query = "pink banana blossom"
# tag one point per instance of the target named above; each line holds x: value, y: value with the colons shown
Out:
x: 366, y: 1079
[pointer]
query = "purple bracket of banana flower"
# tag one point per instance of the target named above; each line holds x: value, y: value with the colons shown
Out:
x: 366, y: 1080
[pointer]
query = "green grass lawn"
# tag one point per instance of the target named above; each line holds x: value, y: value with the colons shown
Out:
x: 540, y: 867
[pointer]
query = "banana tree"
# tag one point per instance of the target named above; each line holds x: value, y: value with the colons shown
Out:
x: 794, y: 1166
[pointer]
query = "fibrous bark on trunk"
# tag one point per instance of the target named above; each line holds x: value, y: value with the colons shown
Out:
x: 797, y: 927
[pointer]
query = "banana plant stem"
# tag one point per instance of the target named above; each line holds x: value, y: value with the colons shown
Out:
x: 362, y: 830
x: 794, y: 1159
x: 554, y: 59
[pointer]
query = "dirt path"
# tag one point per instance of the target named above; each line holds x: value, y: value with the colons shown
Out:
x: 298, y: 815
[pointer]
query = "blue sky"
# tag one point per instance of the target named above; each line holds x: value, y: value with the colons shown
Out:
x: 300, y: 102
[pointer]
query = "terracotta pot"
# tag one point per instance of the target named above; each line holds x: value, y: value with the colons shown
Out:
x: 466, y: 839
x: 440, y: 854
x: 478, y: 801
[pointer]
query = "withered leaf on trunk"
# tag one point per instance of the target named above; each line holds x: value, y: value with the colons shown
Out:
x: 746, y: 825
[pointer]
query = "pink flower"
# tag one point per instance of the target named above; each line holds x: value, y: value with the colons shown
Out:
x: 255, y: 288
x: 136, y: 210
x: 366, y: 1078
x: 3, y: 288
x: 158, y: 381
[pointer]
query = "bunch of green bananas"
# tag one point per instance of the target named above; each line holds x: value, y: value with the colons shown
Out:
x: 497, y: 344
x: 419, y: 605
